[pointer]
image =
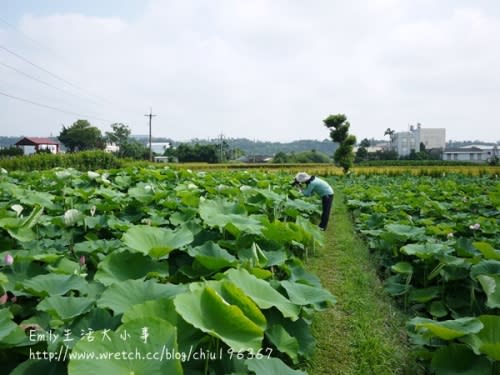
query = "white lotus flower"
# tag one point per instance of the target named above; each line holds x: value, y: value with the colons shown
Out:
x: 3, y: 171
x: 449, y: 235
x: 62, y: 174
x: 476, y: 226
x: 71, y: 216
x: 93, y: 175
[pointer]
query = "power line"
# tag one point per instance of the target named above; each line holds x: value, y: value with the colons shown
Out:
x: 55, y: 75
x: 42, y: 46
x: 43, y: 82
x: 41, y: 68
x: 51, y: 107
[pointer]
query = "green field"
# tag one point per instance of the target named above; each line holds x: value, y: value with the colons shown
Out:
x: 225, y: 272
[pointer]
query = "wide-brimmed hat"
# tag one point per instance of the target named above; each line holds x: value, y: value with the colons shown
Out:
x: 302, y: 177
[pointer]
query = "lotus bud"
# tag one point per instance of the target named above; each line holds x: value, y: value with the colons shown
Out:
x: 3, y: 299
x: 82, y: 261
x: 92, y: 210
x: 8, y: 259
x: 449, y: 235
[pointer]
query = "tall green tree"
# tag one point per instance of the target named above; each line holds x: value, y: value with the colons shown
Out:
x: 339, y: 133
x: 119, y: 134
x: 362, y: 152
x: 81, y: 136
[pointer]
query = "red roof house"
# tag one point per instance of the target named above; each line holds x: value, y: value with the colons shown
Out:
x: 39, y: 144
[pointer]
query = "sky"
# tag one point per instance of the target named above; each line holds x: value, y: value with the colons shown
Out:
x: 269, y: 70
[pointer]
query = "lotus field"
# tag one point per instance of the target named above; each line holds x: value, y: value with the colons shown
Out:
x: 163, y: 271
x: 439, y: 245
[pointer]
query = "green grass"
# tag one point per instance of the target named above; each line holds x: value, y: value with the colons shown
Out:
x: 364, y: 333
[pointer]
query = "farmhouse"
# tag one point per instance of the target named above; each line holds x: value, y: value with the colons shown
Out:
x: 32, y: 145
x: 472, y: 153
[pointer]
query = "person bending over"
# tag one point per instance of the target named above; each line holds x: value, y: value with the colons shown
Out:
x: 318, y: 186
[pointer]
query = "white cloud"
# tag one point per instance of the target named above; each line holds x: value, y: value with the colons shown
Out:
x: 266, y: 69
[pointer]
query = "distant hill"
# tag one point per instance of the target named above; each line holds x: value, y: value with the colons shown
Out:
x: 250, y: 147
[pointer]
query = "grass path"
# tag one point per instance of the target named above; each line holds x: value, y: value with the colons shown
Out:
x: 363, y: 334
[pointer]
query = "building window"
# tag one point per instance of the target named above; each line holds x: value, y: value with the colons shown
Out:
x: 471, y: 156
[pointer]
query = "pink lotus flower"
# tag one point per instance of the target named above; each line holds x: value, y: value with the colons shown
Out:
x: 3, y: 299
x: 8, y: 259
x: 82, y: 260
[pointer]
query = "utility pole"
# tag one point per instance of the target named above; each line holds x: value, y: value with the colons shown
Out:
x: 150, y: 115
x: 221, y: 135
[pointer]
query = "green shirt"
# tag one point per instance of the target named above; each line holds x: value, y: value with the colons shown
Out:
x: 319, y: 187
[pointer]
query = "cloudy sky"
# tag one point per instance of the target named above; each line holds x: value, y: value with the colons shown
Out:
x: 260, y: 69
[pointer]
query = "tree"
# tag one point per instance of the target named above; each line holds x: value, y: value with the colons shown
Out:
x: 365, y: 143
x: 362, y: 152
x: 134, y: 149
x: 390, y: 133
x: 119, y: 135
x: 339, y: 133
x: 281, y: 158
x: 81, y: 136
x: 197, y: 153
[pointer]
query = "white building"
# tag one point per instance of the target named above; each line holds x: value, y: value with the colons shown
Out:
x: 431, y: 138
x: 472, y: 153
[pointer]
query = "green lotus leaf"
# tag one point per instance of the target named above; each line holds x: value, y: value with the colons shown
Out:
x: 280, y: 232
x: 487, y: 340
x: 212, y: 256
x: 424, y: 295
x: 230, y: 216
x: 157, y: 242
x: 488, y: 251
x: 37, y: 366
x: 302, y: 294
x: 282, y: 340
x: 262, y: 293
x: 53, y: 284
x: 7, y: 326
x: 128, y: 351
x: 209, y: 312
x: 459, y: 359
x: 162, y: 308
x: 437, y: 309
x: 427, y: 250
x: 491, y: 286
x: 122, y: 295
x: 407, y: 231
x: 124, y: 265
x: 187, y: 335
x: 402, y: 267
x: 266, y: 366
x: 485, y: 267
x: 235, y: 296
x: 447, y: 329
x: 65, y: 308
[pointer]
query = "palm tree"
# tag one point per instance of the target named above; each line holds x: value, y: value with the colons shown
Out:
x: 390, y: 133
